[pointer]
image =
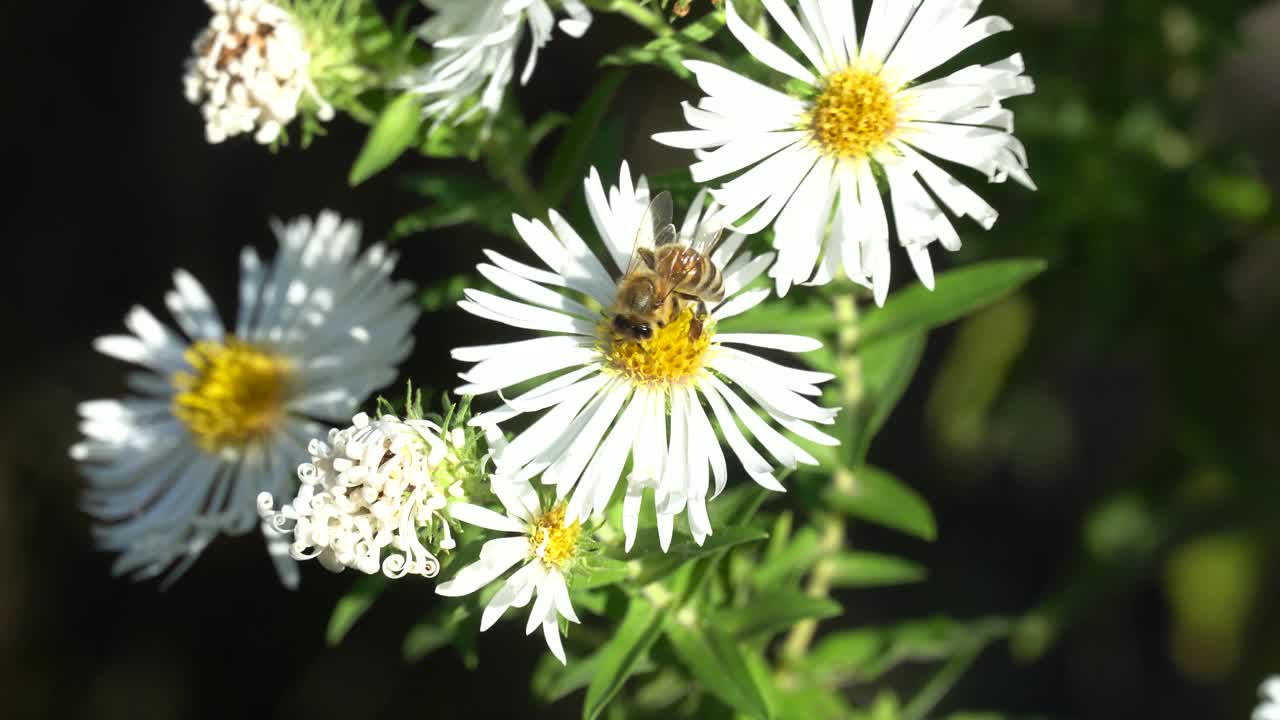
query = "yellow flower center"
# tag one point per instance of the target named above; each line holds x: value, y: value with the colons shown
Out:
x: 551, y: 540
x: 235, y: 394
x: 854, y: 114
x: 670, y: 356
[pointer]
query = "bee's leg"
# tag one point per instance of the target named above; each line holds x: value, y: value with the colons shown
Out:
x: 699, y: 317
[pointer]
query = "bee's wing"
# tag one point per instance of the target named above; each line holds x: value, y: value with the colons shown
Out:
x: 655, y: 229
x: 706, y: 237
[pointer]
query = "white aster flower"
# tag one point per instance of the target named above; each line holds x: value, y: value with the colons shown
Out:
x: 474, y: 43
x: 249, y: 71
x: 1269, y: 708
x: 545, y: 542
x: 862, y: 116
x: 221, y: 414
x: 369, y: 493
x: 650, y: 394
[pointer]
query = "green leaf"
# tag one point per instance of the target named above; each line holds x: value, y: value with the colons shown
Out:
x: 621, y: 656
x: 458, y: 200
x: 553, y: 681
x: 565, y: 168
x: 813, y: 703
x: 352, y: 606
x: 799, y: 316
x: 793, y: 560
x: 439, y: 628
x: 864, y: 654
x: 956, y: 294
x: 655, y: 564
x: 887, y: 368
x: 718, y: 663
x: 601, y: 572
x: 773, y: 611
x: 868, y: 569
x: 670, y: 51
x: 444, y: 293
x: 883, y: 499
x: 390, y: 137
x: 423, y: 639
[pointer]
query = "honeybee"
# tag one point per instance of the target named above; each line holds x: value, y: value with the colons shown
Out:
x: 665, y: 276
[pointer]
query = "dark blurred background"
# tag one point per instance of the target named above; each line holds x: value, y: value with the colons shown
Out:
x: 1100, y: 450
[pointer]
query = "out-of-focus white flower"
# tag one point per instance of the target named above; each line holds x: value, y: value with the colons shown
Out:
x: 544, y: 542
x: 1269, y: 708
x: 370, y: 496
x: 608, y: 397
x: 223, y: 414
x: 474, y: 47
x: 249, y: 70
x: 811, y: 161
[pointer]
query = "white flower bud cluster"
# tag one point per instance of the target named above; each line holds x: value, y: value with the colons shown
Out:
x: 249, y: 71
x: 368, y: 492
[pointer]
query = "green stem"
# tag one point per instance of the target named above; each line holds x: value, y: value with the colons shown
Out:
x: 637, y: 13
x: 517, y: 182
x: 941, y: 683
x: 833, y: 527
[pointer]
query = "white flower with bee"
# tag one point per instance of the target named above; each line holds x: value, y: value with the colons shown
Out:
x: 631, y: 358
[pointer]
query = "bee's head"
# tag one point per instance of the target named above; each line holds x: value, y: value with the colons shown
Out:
x: 632, y: 329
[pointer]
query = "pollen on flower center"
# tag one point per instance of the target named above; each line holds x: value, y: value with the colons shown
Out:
x: 854, y: 114
x: 667, y: 357
x: 235, y: 394
x: 551, y: 540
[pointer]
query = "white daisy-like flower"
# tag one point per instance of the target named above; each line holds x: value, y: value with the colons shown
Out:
x: 608, y: 397
x: 369, y: 496
x: 545, y: 542
x: 249, y: 71
x: 816, y: 159
x: 220, y: 414
x: 475, y: 43
x: 1269, y: 708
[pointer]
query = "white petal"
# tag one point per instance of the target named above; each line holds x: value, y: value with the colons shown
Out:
x: 551, y: 632
x: 756, y: 466
x: 495, y: 557
x: 567, y: 468
x: 543, y: 604
x: 484, y: 517
x: 790, y: 25
x: 789, y: 343
x: 765, y: 51
x: 515, y: 591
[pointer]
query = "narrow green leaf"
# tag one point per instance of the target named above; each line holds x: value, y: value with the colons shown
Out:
x: 718, y: 664
x: 423, y: 639
x: 352, y: 606
x: 439, y: 628
x: 864, y: 654
x: 868, y: 569
x: 956, y: 294
x: 883, y: 499
x: 565, y: 167
x: 602, y: 572
x: 655, y: 564
x: 791, y: 561
x: 773, y: 611
x: 841, y: 655
x: 390, y: 136
x: 620, y: 657
x: 887, y: 368
x: 813, y: 703
x: 800, y: 316
x: 552, y: 681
